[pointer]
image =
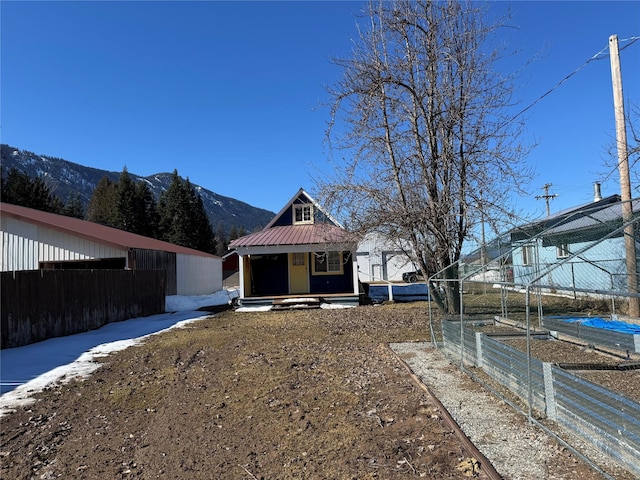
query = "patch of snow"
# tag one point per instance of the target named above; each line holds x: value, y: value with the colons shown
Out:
x: 335, y: 306
x: 264, y: 308
x: 299, y: 300
x: 27, y: 370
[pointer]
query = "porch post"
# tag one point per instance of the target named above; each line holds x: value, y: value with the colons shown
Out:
x: 241, y: 274
x: 354, y: 264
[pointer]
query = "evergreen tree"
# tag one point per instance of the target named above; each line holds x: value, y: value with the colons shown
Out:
x: 127, y: 211
x: 74, y: 206
x: 101, y: 207
x: 236, y: 232
x: 221, y: 240
x: 182, y: 217
x: 125, y: 204
x: 147, y: 210
x: 19, y: 189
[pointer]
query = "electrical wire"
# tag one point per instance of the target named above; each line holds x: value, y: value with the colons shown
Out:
x: 598, y: 56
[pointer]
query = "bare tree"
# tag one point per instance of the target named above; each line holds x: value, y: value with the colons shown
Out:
x: 422, y: 114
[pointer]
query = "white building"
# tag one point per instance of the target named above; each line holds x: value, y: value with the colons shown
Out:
x: 31, y: 240
x: 379, y: 259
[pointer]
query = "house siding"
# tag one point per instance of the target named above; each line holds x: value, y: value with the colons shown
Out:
x: 601, y: 267
x: 25, y: 245
x: 198, y: 275
x: 342, y: 283
x: 380, y: 260
x: 270, y: 275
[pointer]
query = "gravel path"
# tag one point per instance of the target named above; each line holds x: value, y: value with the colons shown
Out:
x: 517, y: 448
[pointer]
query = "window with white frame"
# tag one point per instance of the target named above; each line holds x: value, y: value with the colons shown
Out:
x: 298, y: 259
x: 327, y: 263
x: 562, y: 250
x: 527, y: 255
x: 303, y: 213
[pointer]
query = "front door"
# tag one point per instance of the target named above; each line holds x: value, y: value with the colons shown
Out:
x: 298, y: 272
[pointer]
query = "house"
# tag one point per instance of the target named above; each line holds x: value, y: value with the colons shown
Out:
x: 380, y: 259
x: 582, y: 248
x: 303, y: 256
x: 32, y: 240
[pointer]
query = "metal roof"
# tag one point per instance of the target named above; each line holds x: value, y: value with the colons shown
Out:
x: 312, y: 234
x: 93, y: 231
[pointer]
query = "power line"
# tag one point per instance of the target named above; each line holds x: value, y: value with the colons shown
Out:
x: 598, y: 56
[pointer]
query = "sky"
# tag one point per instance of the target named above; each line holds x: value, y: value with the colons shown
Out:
x: 233, y: 94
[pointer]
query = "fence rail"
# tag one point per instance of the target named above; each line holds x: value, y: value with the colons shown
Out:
x: 628, y: 342
x: 600, y: 417
x: 41, y: 304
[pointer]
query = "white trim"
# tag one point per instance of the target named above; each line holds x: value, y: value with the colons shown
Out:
x: 290, y: 203
x: 302, y: 207
x: 274, y: 249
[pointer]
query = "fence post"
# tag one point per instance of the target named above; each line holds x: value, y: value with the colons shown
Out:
x: 479, y: 336
x: 549, y: 391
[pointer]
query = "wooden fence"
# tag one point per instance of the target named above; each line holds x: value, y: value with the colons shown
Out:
x: 41, y: 304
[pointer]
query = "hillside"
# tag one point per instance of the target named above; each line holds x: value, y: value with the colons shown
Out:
x: 66, y: 177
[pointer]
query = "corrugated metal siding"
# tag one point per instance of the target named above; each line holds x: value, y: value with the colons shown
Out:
x: 198, y: 275
x: 59, y: 246
x: 612, y: 339
x: 608, y: 420
x: 25, y: 245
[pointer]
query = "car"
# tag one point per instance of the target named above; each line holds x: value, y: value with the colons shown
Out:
x: 412, y: 277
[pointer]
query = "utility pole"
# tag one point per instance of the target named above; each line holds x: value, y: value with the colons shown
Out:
x: 547, y: 197
x: 625, y: 182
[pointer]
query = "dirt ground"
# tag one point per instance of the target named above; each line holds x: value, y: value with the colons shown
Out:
x: 299, y: 394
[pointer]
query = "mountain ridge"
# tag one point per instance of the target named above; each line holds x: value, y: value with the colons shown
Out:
x: 65, y: 178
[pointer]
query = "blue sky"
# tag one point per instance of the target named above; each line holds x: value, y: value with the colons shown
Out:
x: 231, y: 93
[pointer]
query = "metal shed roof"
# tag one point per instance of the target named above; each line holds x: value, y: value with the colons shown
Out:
x: 93, y: 231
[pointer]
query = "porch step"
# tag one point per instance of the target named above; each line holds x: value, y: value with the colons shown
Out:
x: 296, y: 303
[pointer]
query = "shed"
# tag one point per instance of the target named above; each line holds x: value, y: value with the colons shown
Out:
x: 33, y: 239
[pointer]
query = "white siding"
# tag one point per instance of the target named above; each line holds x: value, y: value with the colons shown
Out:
x: 24, y: 245
x: 379, y: 259
x: 198, y: 275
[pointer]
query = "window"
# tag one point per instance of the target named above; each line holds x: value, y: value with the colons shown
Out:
x: 562, y: 250
x: 527, y: 255
x: 327, y: 263
x: 297, y: 259
x: 303, y: 213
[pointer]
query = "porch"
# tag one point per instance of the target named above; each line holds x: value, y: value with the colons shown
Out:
x: 301, y: 302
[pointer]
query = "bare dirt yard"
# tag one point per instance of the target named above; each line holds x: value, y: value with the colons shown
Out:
x: 276, y: 395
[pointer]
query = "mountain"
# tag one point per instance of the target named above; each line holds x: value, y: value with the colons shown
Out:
x: 65, y: 178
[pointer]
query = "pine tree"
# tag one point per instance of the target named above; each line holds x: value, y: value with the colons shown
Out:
x: 147, y: 210
x: 74, y: 206
x: 182, y: 217
x: 19, y: 189
x: 125, y: 217
x: 101, y: 207
x: 221, y: 240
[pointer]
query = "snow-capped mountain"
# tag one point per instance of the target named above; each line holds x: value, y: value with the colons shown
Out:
x: 67, y: 178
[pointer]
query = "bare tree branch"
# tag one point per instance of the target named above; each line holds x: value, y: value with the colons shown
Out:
x: 421, y: 113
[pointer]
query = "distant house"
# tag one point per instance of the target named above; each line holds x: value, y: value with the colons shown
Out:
x: 379, y: 259
x: 303, y: 255
x: 580, y: 248
x: 32, y: 239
